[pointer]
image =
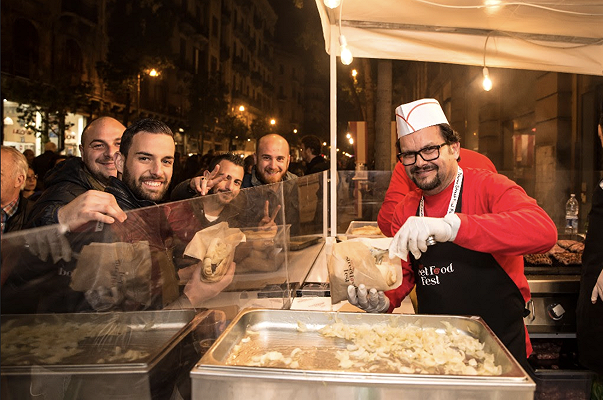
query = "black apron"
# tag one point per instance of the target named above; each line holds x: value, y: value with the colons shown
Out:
x: 589, y: 317
x: 451, y: 279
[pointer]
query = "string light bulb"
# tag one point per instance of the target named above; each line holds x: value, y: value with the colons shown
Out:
x: 332, y: 3
x: 344, y: 52
x: 487, y: 83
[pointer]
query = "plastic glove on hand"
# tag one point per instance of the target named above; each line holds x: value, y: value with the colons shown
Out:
x: 413, y: 235
x: 371, y: 301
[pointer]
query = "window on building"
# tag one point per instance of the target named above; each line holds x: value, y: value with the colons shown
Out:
x: 196, y: 61
x: 73, y: 63
x: 214, y: 64
x: 281, y: 69
x: 185, y: 5
x: 26, y: 47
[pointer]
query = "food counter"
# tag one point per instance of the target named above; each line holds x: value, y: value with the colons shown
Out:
x: 293, y: 282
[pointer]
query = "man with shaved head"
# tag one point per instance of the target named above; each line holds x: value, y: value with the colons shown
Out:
x: 271, y: 167
x: 75, y: 188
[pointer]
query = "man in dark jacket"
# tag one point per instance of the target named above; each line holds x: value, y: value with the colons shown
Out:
x: 280, y: 186
x: 311, y: 149
x: 15, y: 207
x: 74, y: 188
x: 224, y: 182
x: 44, y: 163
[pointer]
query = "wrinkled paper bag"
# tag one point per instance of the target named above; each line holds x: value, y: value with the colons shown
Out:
x: 215, y: 247
x: 112, y: 273
x: 353, y: 263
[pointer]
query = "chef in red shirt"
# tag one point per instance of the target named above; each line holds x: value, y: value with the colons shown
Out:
x: 461, y: 235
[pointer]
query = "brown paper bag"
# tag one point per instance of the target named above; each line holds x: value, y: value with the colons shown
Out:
x: 111, y: 273
x: 352, y: 263
x: 215, y: 247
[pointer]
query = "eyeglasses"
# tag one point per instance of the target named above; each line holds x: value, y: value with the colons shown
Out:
x: 32, y: 177
x: 428, y: 153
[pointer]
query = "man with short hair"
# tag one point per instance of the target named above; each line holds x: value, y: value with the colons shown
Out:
x: 224, y: 182
x: 144, y: 165
x: 14, y: 206
x: 74, y: 189
x: 29, y: 155
x: 271, y: 166
x: 311, y: 149
x: 44, y: 162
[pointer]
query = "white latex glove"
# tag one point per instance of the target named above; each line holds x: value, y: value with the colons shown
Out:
x: 598, y: 289
x: 372, y: 301
x: 413, y: 235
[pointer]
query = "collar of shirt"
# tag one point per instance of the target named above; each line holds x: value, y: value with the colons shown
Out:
x: 9, y: 210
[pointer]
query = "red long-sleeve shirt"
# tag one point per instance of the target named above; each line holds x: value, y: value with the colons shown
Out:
x: 400, y: 185
x: 497, y: 217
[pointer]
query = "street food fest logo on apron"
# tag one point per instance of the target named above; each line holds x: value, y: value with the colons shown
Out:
x: 432, y: 275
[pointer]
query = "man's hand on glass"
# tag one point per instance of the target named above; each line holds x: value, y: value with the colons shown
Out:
x: 93, y: 205
x: 49, y: 241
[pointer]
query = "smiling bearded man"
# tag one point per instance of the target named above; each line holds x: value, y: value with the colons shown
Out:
x: 144, y: 163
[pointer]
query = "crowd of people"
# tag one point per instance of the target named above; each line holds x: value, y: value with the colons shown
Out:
x: 123, y: 169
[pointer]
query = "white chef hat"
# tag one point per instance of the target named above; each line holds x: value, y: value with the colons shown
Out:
x: 411, y: 117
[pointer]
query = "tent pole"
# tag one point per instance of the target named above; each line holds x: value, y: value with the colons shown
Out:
x: 333, y: 128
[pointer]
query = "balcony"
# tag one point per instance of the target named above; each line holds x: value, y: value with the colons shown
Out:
x: 81, y: 9
x: 193, y: 27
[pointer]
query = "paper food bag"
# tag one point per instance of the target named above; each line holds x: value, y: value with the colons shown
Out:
x: 112, y: 273
x: 362, y: 261
x: 214, y: 246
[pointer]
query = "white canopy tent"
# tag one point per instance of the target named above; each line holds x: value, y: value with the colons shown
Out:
x: 548, y: 35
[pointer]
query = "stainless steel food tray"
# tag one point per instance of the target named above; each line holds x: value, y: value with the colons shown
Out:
x: 151, y: 332
x: 278, y: 330
x: 172, y: 341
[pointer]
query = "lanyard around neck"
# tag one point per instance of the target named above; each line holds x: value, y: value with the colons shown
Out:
x: 454, y: 198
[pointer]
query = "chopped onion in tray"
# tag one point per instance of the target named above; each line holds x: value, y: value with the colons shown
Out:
x: 54, y: 343
x: 411, y: 349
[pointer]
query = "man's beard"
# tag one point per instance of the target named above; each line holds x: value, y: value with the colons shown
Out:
x: 272, y: 178
x: 426, y: 185
x: 136, y: 187
x: 222, y: 197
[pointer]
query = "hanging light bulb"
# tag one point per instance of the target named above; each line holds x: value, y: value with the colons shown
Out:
x: 332, y: 3
x: 345, y: 53
x: 487, y: 83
